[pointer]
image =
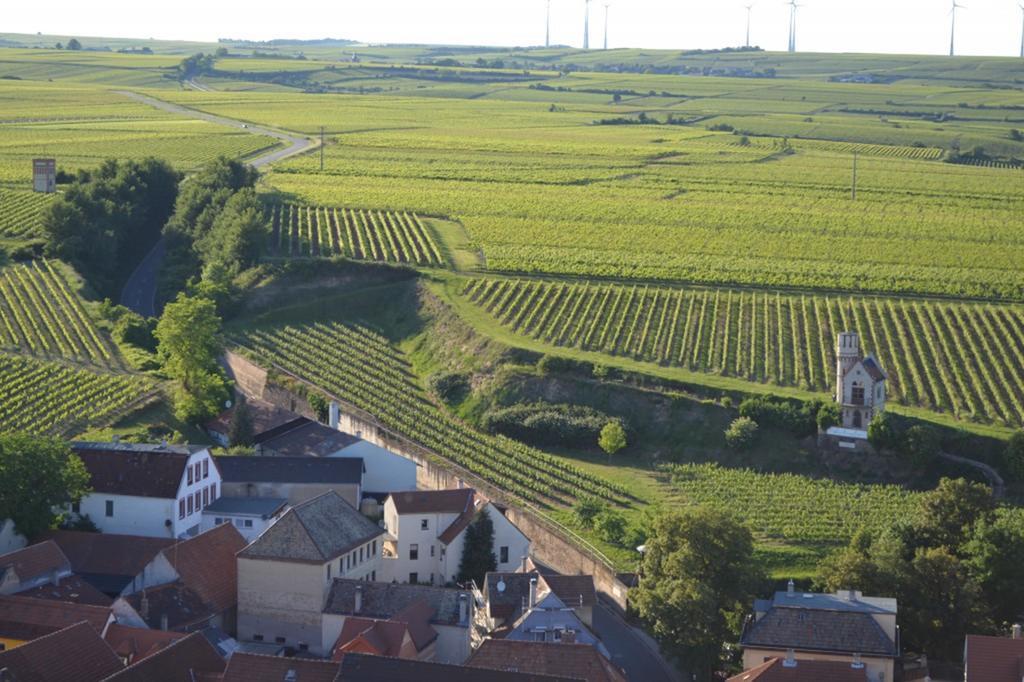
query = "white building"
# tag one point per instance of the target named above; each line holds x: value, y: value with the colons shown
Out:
x: 285, y: 574
x: 427, y: 529
x: 860, y: 383
x: 249, y: 515
x: 151, y: 490
x: 385, y: 471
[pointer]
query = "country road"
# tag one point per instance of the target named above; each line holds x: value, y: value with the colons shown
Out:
x: 139, y: 292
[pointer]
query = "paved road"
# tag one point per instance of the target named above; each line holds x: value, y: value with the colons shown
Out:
x: 994, y: 479
x: 630, y: 650
x: 139, y: 293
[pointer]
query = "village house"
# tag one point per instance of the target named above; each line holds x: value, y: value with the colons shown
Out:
x: 790, y: 669
x: 407, y: 634
x: 295, y: 479
x: 23, y: 619
x: 427, y: 529
x: 76, y: 653
x: 994, y: 659
x: 547, y: 618
x: 250, y: 516
x: 301, y: 437
x: 845, y: 627
x: 134, y: 644
x: 505, y: 596
x: 115, y: 564
x: 577, y: 661
x: 152, y: 490
x: 43, y: 571
x: 191, y: 658
x: 439, y: 619
x: 285, y: 574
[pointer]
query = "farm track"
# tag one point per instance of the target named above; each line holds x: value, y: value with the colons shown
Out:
x: 139, y: 292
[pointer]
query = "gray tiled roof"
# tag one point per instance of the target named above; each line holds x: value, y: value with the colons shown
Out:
x: 264, y: 507
x: 315, y: 531
x: 835, y: 602
x: 239, y: 469
x: 384, y: 600
x: 303, y: 437
x: 815, y: 630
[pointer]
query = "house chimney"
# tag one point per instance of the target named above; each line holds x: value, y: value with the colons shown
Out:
x: 857, y: 663
x: 463, y: 609
x: 533, y: 592
x: 334, y: 414
x: 359, y: 599
x: 164, y: 623
x: 144, y: 606
x: 790, y: 588
x: 1015, y: 632
x: 569, y: 637
x: 790, y: 660
x: 523, y: 564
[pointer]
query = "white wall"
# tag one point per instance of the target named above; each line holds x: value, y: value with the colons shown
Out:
x: 506, y: 534
x: 159, y: 571
x: 453, y: 643
x: 150, y: 516
x: 251, y: 527
x: 385, y: 471
x: 190, y: 524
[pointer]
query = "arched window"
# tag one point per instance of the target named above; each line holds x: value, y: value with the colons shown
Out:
x: 857, y: 393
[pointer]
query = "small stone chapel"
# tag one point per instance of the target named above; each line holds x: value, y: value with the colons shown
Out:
x: 860, y: 383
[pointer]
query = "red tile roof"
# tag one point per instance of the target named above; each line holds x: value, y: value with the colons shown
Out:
x: 775, y: 670
x: 572, y: 588
x: 433, y: 501
x: 26, y: 618
x: 993, y: 659
x: 563, y: 660
x: 368, y: 668
x: 125, y: 470
x: 183, y: 661
x: 74, y: 654
x: 368, y: 636
x: 71, y: 588
x: 135, y: 644
x: 35, y: 561
x: 108, y: 554
x: 245, y: 667
x: 181, y: 606
x: 207, y: 564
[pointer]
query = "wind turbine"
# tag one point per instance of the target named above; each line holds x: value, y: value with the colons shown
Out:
x: 547, y: 27
x: 586, y: 24
x: 749, y: 8
x: 792, y: 24
x: 606, y: 5
x: 952, y: 29
x: 1022, y: 33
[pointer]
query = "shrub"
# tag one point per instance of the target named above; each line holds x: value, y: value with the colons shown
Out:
x: 136, y: 330
x: 921, y: 445
x: 541, y: 423
x: 799, y: 418
x: 319, y: 405
x: 741, y: 433
x: 553, y: 364
x: 610, y: 526
x: 612, y: 438
x: 882, y: 432
x: 1013, y: 456
x: 587, y: 509
x: 449, y: 387
x: 828, y: 416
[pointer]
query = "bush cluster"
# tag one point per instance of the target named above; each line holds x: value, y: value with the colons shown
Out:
x: 797, y: 417
x: 449, y: 387
x: 543, y: 423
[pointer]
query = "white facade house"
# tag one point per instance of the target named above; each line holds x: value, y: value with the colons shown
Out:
x: 427, y: 529
x: 285, y: 574
x: 249, y: 515
x: 150, y: 490
x: 860, y: 383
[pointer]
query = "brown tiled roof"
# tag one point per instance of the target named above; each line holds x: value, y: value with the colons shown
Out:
x: 570, y: 588
x: 387, y: 601
x: 565, y: 660
x: 368, y: 636
x: 26, y: 618
x: 71, y: 588
x: 367, y: 668
x: 774, y: 670
x: 34, y: 561
x: 244, y: 667
x: 303, y: 437
x: 806, y: 629
x: 182, y: 661
x: 417, y: 616
x: 207, y: 564
x: 506, y: 603
x: 433, y: 501
x: 183, y: 607
x: 135, y: 644
x: 74, y: 654
x: 993, y: 659
x: 143, y: 471
x: 104, y: 554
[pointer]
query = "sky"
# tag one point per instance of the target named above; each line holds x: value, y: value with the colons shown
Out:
x: 984, y: 27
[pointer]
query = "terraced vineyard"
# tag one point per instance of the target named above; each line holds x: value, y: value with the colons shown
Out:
x: 40, y: 315
x: 789, y: 507
x: 386, y: 236
x: 962, y: 358
x: 359, y: 366
x: 889, y: 150
x: 42, y: 397
x: 21, y: 213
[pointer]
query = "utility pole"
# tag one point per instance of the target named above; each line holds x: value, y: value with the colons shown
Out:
x: 854, y: 193
x: 321, y: 149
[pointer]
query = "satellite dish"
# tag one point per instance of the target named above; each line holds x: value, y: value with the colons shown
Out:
x: 501, y: 586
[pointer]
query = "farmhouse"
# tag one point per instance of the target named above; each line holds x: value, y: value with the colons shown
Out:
x: 153, y: 490
x: 427, y: 530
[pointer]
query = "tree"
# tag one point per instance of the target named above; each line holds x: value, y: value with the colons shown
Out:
x: 612, y: 438
x: 73, y: 44
x: 741, y: 433
x: 38, y: 475
x: 921, y: 444
x: 698, y: 578
x: 478, y: 550
x: 188, y: 346
x: 587, y: 509
x: 240, y: 430
x: 237, y: 235
x: 1013, y: 456
x: 882, y: 432
x: 828, y: 416
x: 948, y: 513
x: 995, y: 553
x: 611, y: 527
